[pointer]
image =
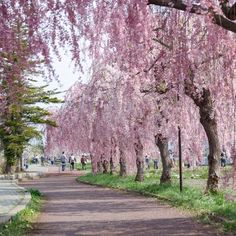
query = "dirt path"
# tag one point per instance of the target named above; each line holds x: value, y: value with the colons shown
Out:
x: 79, y: 209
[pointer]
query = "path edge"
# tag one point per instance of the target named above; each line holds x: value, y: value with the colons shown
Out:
x: 21, y: 204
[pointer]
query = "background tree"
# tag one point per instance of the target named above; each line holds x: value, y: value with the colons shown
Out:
x: 21, y: 115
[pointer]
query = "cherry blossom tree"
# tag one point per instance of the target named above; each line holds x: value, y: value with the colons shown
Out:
x: 190, y: 53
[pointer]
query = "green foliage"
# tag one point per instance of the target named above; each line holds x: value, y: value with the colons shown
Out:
x: 192, y: 198
x: 22, y: 222
x: 21, y: 98
x: 22, y: 114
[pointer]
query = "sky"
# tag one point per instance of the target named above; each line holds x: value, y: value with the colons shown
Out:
x: 67, y: 75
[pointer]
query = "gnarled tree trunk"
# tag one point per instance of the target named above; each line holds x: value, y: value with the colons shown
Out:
x: 139, y: 161
x: 123, y: 169
x: 162, y: 144
x: 208, y: 120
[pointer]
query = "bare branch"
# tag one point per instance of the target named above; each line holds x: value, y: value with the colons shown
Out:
x: 170, y: 47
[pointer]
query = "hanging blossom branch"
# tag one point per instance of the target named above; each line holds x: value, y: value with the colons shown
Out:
x: 225, y: 21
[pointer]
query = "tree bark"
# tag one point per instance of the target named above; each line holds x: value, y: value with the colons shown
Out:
x: 10, y: 157
x: 208, y: 120
x: 140, y: 170
x: 99, y: 166
x: 139, y: 161
x: 162, y: 144
x: 94, y: 165
x: 19, y: 163
x: 228, y: 10
x: 112, y: 154
x: 105, y: 166
x: 123, y: 169
x: 8, y: 168
x: 111, y: 166
x: 210, y: 126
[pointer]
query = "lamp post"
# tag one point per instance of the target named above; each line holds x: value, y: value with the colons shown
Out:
x: 180, y: 156
x: 180, y: 161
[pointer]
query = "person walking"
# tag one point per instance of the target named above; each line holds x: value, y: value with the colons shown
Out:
x: 147, y: 162
x: 42, y: 161
x: 52, y: 160
x: 26, y: 163
x: 155, y: 162
x: 83, y: 162
x: 72, y: 161
x: 223, y: 159
x: 63, y: 161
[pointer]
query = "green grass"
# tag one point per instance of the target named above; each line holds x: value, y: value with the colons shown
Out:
x: 22, y: 221
x: 208, y: 207
x: 78, y: 166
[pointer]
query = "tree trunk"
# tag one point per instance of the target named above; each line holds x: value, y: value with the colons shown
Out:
x: 19, y: 163
x: 162, y: 144
x: 208, y: 120
x: 99, y: 167
x: 10, y: 159
x: 123, y: 170
x: 111, y: 166
x: 112, y: 154
x: 140, y: 170
x: 18, y: 167
x: 105, y: 166
x: 94, y: 165
x: 8, y: 168
x: 139, y: 161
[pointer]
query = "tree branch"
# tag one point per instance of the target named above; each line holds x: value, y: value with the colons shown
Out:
x: 170, y: 47
x: 224, y: 22
x: 179, y: 5
x: 229, y: 11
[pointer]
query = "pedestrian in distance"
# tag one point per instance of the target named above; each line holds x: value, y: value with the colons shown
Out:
x: 83, y: 162
x: 155, y: 162
x: 26, y: 163
x: 42, y: 160
x: 147, y: 162
x: 52, y: 160
x: 223, y: 159
x: 63, y: 161
x: 72, y: 161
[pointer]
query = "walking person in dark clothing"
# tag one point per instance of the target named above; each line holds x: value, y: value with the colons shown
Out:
x: 155, y: 162
x: 83, y: 162
x: 223, y: 159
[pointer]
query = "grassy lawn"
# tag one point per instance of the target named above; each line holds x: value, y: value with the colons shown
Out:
x: 23, y: 220
x: 78, y: 166
x: 208, y: 207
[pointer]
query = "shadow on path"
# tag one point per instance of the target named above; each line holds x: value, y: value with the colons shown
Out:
x: 73, y: 208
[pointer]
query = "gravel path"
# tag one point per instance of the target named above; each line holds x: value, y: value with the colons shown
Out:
x: 78, y: 209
